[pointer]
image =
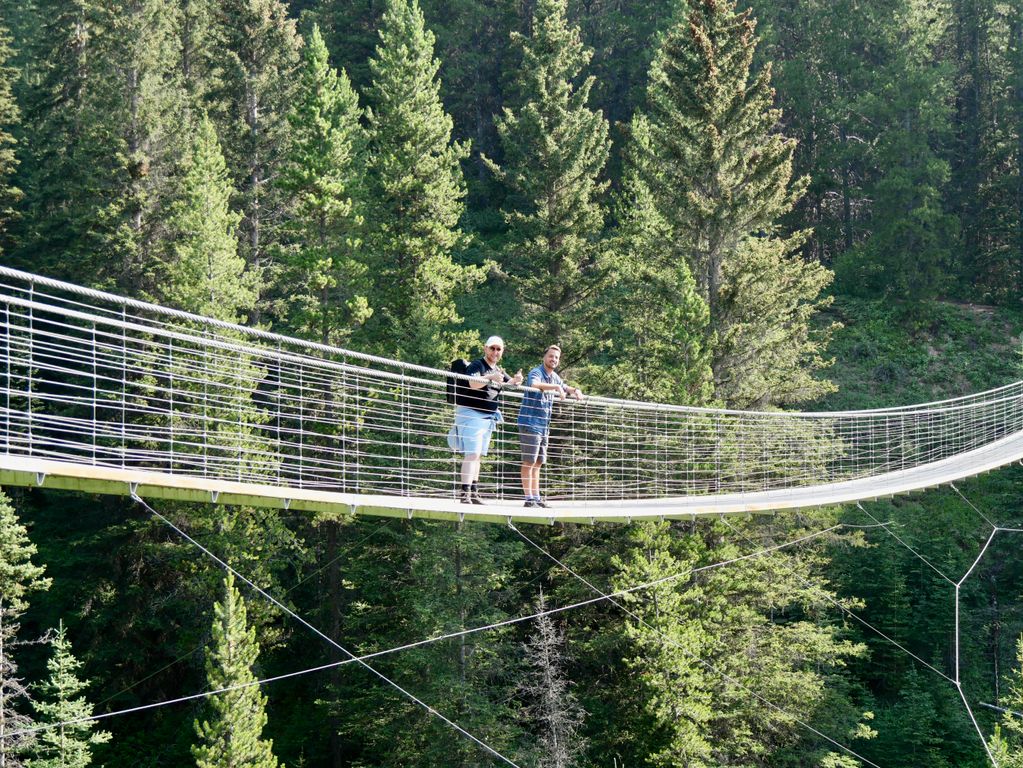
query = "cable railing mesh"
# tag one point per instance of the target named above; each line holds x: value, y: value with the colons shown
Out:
x: 92, y: 378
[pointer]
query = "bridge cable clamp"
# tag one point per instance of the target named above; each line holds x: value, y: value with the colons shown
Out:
x: 40, y: 478
x: 214, y: 495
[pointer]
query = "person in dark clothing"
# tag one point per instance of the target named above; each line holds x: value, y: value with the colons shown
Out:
x: 478, y: 414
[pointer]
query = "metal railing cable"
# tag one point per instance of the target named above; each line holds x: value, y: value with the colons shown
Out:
x: 92, y: 378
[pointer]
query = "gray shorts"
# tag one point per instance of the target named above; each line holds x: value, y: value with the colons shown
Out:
x: 534, y: 447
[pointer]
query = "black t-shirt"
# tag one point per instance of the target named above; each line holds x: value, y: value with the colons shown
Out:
x: 485, y: 399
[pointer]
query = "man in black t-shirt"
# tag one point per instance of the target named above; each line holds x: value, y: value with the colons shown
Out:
x: 478, y: 414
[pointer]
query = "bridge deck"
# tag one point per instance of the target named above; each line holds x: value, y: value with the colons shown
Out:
x: 38, y: 472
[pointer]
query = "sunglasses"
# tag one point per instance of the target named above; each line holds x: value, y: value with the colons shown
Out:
x: 496, y: 349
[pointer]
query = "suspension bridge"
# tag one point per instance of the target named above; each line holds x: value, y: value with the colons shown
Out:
x: 110, y: 395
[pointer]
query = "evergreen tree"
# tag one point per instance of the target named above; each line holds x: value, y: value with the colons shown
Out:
x: 1007, y: 742
x: 666, y: 645
x: 202, y: 271
x: 625, y: 35
x: 70, y: 745
x: 143, y: 106
x: 906, y: 253
x: 19, y: 576
x: 555, y: 149
x: 550, y: 706
x: 720, y: 178
x: 195, y: 45
x: 321, y: 265
x: 10, y: 116
x: 439, y: 578
x: 415, y: 197
x: 256, y: 50
x: 655, y: 318
x: 476, y: 61
x: 231, y: 734
x: 65, y: 165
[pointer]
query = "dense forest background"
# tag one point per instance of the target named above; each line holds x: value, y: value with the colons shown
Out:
x: 797, y: 203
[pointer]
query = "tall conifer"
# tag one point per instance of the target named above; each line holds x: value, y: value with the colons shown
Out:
x: 10, y: 116
x: 19, y: 576
x: 655, y: 318
x: 256, y: 50
x: 551, y: 707
x: 1007, y: 741
x: 721, y: 177
x: 416, y: 192
x: 555, y: 150
x: 231, y: 733
x: 65, y: 159
x: 60, y: 703
x: 202, y: 270
x: 322, y: 269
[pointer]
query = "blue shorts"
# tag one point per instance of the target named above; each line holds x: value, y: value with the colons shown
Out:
x: 472, y: 431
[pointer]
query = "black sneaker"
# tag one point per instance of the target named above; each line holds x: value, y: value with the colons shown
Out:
x: 464, y: 497
x: 530, y: 503
x: 475, y: 498
x: 540, y: 503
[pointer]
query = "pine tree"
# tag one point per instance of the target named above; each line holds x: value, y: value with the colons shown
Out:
x: 256, y: 50
x: 65, y: 166
x: 666, y: 646
x: 906, y: 253
x: 321, y: 266
x: 555, y: 150
x: 438, y: 578
x: 551, y: 707
x: 19, y: 576
x: 195, y: 45
x: 1007, y: 742
x: 415, y: 197
x: 70, y: 745
x: 10, y: 116
x: 231, y: 734
x: 142, y: 105
x: 655, y: 317
x: 202, y: 271
x: 472, y: 38
x: 720, y: 178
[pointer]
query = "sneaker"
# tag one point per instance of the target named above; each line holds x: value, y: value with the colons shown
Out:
x: 540, y: 503
x: 530, y: 503
x: 474, y: 495
x: 465, y: 497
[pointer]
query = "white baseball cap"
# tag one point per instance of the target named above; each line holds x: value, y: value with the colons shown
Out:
x: 494, y: 340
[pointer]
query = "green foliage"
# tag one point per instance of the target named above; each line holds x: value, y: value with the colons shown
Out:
x: 720, y: 178
x: 697, y: 690
x: 658, y: 323
x: 888, y: 353
x: 19, y: 576
x: 66, y: 744
x: 255, y: 53
x: 415, y: 198
x: 555, y: 149
x: 10, y: 116
x: 907, y: 250
x: 231, y: 733
x: 432, y: 579
x: 203, y: 271
x: 1007, y: 741
x: 322, y: 267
